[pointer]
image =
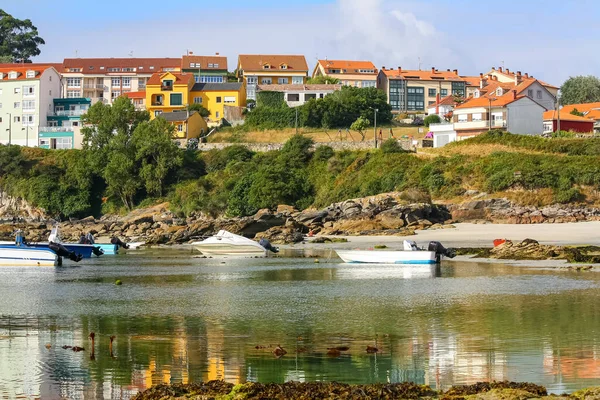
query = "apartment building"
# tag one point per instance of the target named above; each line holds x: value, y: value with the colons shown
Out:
x: 63, y: 129
x: 259, y: 69
x: 26, y: 99
x: 206, y: 69
x: 105, y: 79
x: 416, y: 90
x: 350, y: 73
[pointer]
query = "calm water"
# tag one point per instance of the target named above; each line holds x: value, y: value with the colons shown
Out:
x: 183, y: 319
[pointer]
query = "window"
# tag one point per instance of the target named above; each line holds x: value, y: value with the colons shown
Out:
x: 366, y: 71
x: 115, y: 82
x: 50, y: 92
x: 28, y: 120
x: 73, y: 94
x: 101, y: 67
x: 74, y: 69
x: 539, y: 94
x: 252, y: 80
x: 17, y: 105
x: 293, y: 97
x: 367, y: 84
x: 266, y: 81
x: 63, y: 143
x: 50, y: 78
x: 128, y: 69
x: 283, y: 81
x: 432, y: 92
x: 28, y: 90
x: 152, y: 67
x: 462, y: 118
x: 210, y: 65
x: 17, y: 90
x: 0, y: 120
x: 415, y: 99
x: 141, y: 83
x: 266, y: 66
x: 477, y: 117
x: 157, y: 113
x: 16, y: 119
x: 458, y: 89
x: 397, y: 94
x: 297, y: 80
x: 29, y: 105
x: 126, y: 82
x: 443, y: 92
x: 0, y: 105
x: 114, y: 69
x: 283, y: 66
x: 180, y: 127
x: 198, y: 100
x: 209, y: 79
x: 219, y: 99
x: 476, y: 94
x: 176, y: 99
x: 52, y: 123
x: 229, y: 99
x: 30, y: 74
x: 530, y: 93
x: 192, y: 65
x: 216, y: 65
x: 499, y: 92
x: 217, y: 115
x: 73, y: 82
x: 12, y: 75
x: 115, y: 94
x: 167, y: 84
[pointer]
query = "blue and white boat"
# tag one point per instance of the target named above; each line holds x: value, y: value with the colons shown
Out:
x: 108, y: 248
x: 410, y: 255
x: 20, y: 254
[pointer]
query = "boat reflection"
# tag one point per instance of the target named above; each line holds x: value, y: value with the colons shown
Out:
x: 391, y: 271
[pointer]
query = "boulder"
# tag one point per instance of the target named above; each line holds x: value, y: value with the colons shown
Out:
x: 281, y: 235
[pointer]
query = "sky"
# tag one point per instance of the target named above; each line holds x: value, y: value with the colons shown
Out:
x: 550, y: 39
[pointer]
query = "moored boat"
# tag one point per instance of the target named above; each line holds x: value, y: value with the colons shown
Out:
x: 11, y: 255
x: 410, y: 255
x: 228, y: 244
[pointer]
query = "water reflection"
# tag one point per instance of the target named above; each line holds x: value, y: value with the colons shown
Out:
x: 181, y: 321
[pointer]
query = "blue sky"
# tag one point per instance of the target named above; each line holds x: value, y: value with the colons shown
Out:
x: 549, y: 39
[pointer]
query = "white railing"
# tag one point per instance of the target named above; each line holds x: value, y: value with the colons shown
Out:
x: 94, y: 86
x: 67, y: 113
x: 56, y: 128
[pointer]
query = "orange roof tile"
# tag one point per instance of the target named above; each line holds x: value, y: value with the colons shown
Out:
x: 472, y: 80
x: 181, y: 78
x: 300, y: 88
x: 553, y: 114
x: 446, y: 101
x: 423, y: 75
x: 135, y: 95
x: 204, y: 62
x: 57, y: 66
x: 485, y: 101
x: 349, y: 66
x: 256, y: 62
x: 593, y: 114
x: 99, y: 66
x: 22, y: 72
x: 582, y: 107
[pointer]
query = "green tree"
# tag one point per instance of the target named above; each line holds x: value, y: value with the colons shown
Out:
x: 323, y: 80
x: 580, y: 89
x: 432, y: 119
x: 203, y: 111
x: 577, y: 112
x: 360, y: 125
x: 19, y: 40
x: 157, y: 152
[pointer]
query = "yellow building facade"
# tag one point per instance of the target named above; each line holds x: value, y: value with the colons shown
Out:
x: 168, y: 92
x: 215, y: 96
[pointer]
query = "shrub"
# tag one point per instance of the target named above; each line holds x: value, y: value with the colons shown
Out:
x: 432, y: 119
x: 391, y: 146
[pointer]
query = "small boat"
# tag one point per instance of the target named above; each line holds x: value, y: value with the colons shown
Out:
x: 410, y: 255
x: 108, y: 248
x: 27, y: 256
x: 135, y: 245
x: 228, y: 244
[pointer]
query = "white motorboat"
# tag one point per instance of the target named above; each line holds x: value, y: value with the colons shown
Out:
x: 228, y: 244
x: 11, y: 255
x: 410, y: 255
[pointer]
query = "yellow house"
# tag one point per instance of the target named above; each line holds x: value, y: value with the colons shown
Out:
x: 259, y: 69
x: 215, y: 96
x: 187, y: 125
x: 168, y: 92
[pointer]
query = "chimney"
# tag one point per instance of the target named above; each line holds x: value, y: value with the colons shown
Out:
x: 216, y: 54
x: 526, y: 75
x: 455, y: 71
x: 518, y: 73
x: 383, y: 68
x: 399, y: 69
x: 499, y: 69
x: 433, y: 70
x: 493, y: 68
x: 448, y: 70
x: 507, y: 71
x: 514, y: 94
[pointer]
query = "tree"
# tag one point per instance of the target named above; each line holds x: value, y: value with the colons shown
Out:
x: 323, y: 80
x: 580, y: 89
x: 19, y: 40
x: 432, y: 119
x: 203, y: 111
x: 158, y: 154
x: 360, y: 125
x: 577, y: 112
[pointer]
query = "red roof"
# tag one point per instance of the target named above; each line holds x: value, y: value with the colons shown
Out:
x: 22, y: 72
x: 553, y: 115
x: 485, y: 101
x: 446, y: 101
x: 135, y: 95
x: 99, y: 66
x: 181, y: 78
x: 348, y: 66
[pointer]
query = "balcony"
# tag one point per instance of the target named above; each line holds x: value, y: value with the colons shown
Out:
x: 94, y: 86
x: 56, y: 128
x: 157, y: 103
x: 166, y: 88
x: 142, y: 87
x: 67, y: 113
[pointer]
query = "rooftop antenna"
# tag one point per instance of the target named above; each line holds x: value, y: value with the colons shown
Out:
x: 131, y: 53
x: 76, y: 53
x: 502, y: 65
x: 419, y: 63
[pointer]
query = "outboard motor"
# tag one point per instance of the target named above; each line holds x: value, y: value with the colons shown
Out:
x: 90, y: 238
x: 441, y: 251
x: 97, y: 251
x: 268, y: 246
x: 62, y: 251
x: 119, y: 242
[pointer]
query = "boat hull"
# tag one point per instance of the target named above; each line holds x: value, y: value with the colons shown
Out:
x: 108, y: 248
x: 230, y: 250
x: 27, y: 256
x: 387, y: 257
x: 84, y: 249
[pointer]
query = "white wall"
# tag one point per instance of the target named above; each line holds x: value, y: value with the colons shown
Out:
x: 525, y: 117
x: 547, y: 99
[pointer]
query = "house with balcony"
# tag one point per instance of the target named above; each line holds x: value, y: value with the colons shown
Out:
x: 514, y: 113
x: 63, y: 129
x: 167, y: 92
x: 414, y: 91
x: 105, y: 79
x: 26, y: 99
x: 138, y: 99
x: 297, y: 95
x: 187, y: 125
x: 349, y: 73
x: 206, y: 69
x: 254, y: 70
x: 215, y: 96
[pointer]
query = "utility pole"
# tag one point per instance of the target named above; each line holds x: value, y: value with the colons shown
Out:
x: 558, y: 113
x: 490, y: 114
x: 375, y: 110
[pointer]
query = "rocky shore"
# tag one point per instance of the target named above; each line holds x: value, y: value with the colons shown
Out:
x: 220, y: 390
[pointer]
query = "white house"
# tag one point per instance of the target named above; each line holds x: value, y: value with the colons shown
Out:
x: 442, y: 107
x: 297, y: 95
x: 26, y: 98
x: 443, y: 133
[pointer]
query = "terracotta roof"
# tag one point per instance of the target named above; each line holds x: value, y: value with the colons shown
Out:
x: 348, y: 66
x: 22, y: 72
x: 523, y: 76
x: 217, y: 87
x: 257, y: 62
x: 423, y: 75
x: 98, y: 66
x: 57, y: 66
x: 472, y: 80
x: 135, y: 95
x: 593, y: 114
x: 582, y: 107
x: 485, y: 101
x: 181, y: 78
x: 204, y: 62
x: 553, y: 114
x: 298, y: 88
x: 446, y: 101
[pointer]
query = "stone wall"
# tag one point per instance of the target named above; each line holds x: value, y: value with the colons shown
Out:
x: 264, y: 147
